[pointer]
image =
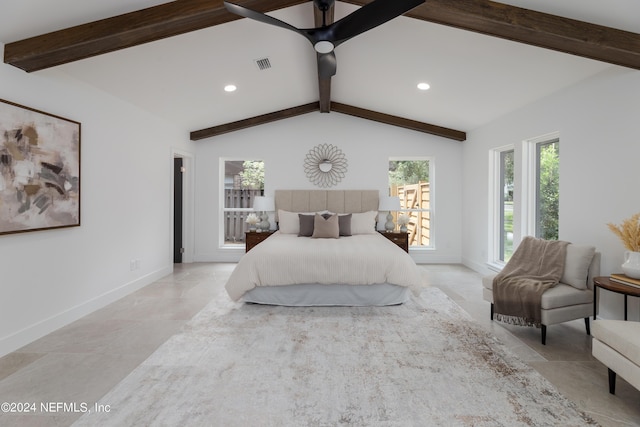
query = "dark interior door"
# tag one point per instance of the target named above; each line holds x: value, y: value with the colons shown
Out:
x: 177, y: 210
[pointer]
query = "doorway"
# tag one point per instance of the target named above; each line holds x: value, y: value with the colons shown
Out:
x: 178, y: 248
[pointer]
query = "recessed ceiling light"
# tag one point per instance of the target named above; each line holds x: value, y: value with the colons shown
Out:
x: 230, y: 88
x: 423, y: 86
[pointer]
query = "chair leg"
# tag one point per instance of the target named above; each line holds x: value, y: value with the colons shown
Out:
x: 586, y: 323
x: 544, y: 334
x: 491, y: 311
x: 612, y: 381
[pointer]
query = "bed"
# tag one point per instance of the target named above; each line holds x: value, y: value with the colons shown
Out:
x: 301, y: 266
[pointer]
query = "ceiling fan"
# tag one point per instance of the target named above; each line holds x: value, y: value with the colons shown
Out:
x: 327, y: 37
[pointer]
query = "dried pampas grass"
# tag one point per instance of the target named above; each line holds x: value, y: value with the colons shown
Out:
x: 629, y: 232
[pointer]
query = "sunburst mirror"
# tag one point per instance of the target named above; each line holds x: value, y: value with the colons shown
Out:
x: 325, y: 165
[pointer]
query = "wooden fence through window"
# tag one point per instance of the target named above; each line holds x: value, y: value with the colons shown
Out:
x: 234, y: 221
x: 416, y: 196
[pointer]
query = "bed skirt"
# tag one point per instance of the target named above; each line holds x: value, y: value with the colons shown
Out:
x: 316, y: 294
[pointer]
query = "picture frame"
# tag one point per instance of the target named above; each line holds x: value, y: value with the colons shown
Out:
x: 39, y: 170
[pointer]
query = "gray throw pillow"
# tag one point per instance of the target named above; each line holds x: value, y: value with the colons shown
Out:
x: 326, y: 228
x: 306, y: 225
x: 344, y: 224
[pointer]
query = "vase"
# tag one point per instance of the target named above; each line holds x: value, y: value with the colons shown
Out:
x: 631, y: 265
x: 403, y: 228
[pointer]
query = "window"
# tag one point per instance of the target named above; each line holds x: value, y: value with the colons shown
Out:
x: 543, y: 187
x: 525, y: 204
x: 243, y: 180
x: 503, y: 188
x: 410, y: 180
x: 547, y: 189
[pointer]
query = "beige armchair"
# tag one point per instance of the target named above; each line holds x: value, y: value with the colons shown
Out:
x: 570, y: 299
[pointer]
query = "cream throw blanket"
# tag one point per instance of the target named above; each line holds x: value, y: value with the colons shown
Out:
x: 535, y: 266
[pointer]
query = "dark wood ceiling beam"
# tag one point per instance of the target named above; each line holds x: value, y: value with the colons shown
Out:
x: 533, y: 28
x: 324, y: 83
x: 182, y: 16
x: 254, y: 121
x: 399, y: 121
x: 123, y: 31
x: 336, y: 107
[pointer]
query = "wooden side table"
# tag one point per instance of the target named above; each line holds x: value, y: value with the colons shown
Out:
x: 252, y: 238
x: 399, y: 238
x: 605, y: 282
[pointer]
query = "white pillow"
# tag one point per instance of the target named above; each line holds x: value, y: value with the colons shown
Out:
x: 289, y: 222
x: 576, y: 265
x: 363, y: 223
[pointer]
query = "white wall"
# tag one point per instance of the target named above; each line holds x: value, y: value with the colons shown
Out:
x: 599, y: 151
x: 50, y: 278
x: 367, y: 146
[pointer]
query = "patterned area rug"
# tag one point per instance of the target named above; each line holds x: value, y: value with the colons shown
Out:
x: 424, y: 363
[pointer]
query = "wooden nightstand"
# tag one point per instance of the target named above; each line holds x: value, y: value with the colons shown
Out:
x: 400, y: 239
x: 252, y: 238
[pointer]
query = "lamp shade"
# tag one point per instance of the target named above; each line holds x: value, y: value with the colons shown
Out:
x: 264, y: 204
x: 389, y: 203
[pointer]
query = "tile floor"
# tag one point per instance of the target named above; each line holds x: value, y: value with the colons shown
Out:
x: 82, y: 361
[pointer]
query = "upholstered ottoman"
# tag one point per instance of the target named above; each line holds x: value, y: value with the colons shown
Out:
x: 616, y: 343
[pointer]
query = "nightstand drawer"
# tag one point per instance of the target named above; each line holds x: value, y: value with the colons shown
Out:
x: 400, y: 239
x: 252, y: 238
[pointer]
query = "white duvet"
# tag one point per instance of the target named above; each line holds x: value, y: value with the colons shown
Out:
x: 286, y: 259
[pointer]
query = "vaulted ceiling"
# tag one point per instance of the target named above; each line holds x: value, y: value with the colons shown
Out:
x: 481, y: 58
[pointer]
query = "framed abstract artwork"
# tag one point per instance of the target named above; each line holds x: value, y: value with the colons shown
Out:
x: 39, y: 170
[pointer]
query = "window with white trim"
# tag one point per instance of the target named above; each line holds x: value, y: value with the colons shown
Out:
x: 411, y: 179
x: 543, y: 187
x: 242, y: 181
x: 502, y: 204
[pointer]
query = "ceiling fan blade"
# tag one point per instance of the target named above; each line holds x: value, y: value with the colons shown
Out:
x: 369, y: 16
x: 327, y: 64
x: 258, y: 16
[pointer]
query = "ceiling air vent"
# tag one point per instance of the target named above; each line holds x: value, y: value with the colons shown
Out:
x: 263, y: 64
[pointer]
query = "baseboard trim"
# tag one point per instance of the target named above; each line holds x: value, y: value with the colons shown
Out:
x: 39, y: 329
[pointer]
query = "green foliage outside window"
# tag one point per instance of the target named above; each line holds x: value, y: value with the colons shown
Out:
x: 507, y: 185
x: 404, y: 172
x: 252, y: 175
x: 549, y: 191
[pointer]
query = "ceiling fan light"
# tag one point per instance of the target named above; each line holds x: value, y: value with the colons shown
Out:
x: 230, y: 88
x: 323, y: 46
x: 423, y: 86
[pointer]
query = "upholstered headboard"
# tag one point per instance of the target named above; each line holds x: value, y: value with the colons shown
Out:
x: 339, y: 201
